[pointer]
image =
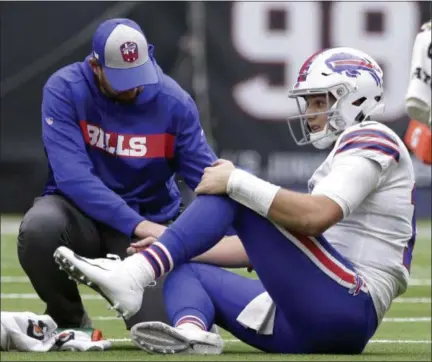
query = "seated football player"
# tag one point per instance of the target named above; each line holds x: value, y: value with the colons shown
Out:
x: 329, y: 263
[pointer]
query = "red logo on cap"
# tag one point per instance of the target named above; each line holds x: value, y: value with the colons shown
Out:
x: 129, y: 51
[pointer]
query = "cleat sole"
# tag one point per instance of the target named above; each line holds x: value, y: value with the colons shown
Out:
x: 157, y: 337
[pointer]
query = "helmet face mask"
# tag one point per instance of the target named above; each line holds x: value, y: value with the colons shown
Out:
x: 334, y: 122
x: 350, y: 82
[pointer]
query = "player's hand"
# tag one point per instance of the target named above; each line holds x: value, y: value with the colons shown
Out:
x: 140, y: 245
x: 147, y: 228
x: 215, y: 178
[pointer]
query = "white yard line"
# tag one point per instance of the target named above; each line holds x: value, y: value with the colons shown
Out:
x: 412, y: 300
x: 387, y: 341
x: 401, y: 300
x: 35, y: 296
x: 407, y: 320
x: 414, y: 282
x: 105, y: 318
x: 419, y: 282
x: 400, y: 341
x: 14, y: 280
x: 9, y: 226
x: 385, y: 320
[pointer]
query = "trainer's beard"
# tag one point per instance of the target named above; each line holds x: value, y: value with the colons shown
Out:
x: 114, y: 97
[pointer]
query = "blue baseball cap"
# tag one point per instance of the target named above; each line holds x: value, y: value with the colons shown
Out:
x: 121, y: 48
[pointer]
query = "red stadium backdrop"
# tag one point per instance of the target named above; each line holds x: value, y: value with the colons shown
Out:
x: 253, y: 53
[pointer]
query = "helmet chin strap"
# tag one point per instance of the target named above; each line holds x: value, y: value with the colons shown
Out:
x: 325, y: 138
x: 322, y: 139
x: 377, y: 109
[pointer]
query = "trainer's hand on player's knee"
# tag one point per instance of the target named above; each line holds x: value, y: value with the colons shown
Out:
x: 140, y: 245
x: 215, y: 178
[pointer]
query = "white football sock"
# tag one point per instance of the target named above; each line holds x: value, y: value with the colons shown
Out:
x: 191, y: 322
x: 140, y: 269
x: 189, y: 326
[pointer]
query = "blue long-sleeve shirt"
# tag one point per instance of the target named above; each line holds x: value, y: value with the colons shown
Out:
x: 117, y: 162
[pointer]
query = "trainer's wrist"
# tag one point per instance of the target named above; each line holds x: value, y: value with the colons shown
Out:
x: 137, y: 227
x: 148, y: 228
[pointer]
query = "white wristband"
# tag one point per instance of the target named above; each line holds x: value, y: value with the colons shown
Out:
x: 251, y: 191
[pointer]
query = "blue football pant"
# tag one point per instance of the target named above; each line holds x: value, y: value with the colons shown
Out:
x: 322, y: 305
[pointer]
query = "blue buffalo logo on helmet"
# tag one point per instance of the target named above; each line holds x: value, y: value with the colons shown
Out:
x: 351, y: 66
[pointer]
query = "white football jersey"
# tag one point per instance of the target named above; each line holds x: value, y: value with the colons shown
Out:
x: 418, y: 97
x: 378, y: 236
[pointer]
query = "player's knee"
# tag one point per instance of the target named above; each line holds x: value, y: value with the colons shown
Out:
x: 177, y: 273
x: 187, y: 271
x: 199, y: 271
x: 177, y: 276
x: 41, y: 231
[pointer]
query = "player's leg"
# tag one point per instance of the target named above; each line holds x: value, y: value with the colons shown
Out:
x: 296, y: 271
x: 51, y: 222
x: 152, y: 308
x: 290, y: 275
x: 198, y: 296
x: 320, y: 294
x: 122, y: 283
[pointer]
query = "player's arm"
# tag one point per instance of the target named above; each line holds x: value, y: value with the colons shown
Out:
x: 360, y: 159
x: 418, y: 97
x: 228, y: 253
x: 73, y: 171
x: 351, y: 179
x: 193, y: 153
x: 306, y: 214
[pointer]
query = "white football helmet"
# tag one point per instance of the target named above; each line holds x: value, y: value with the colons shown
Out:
x: 352, y: 77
